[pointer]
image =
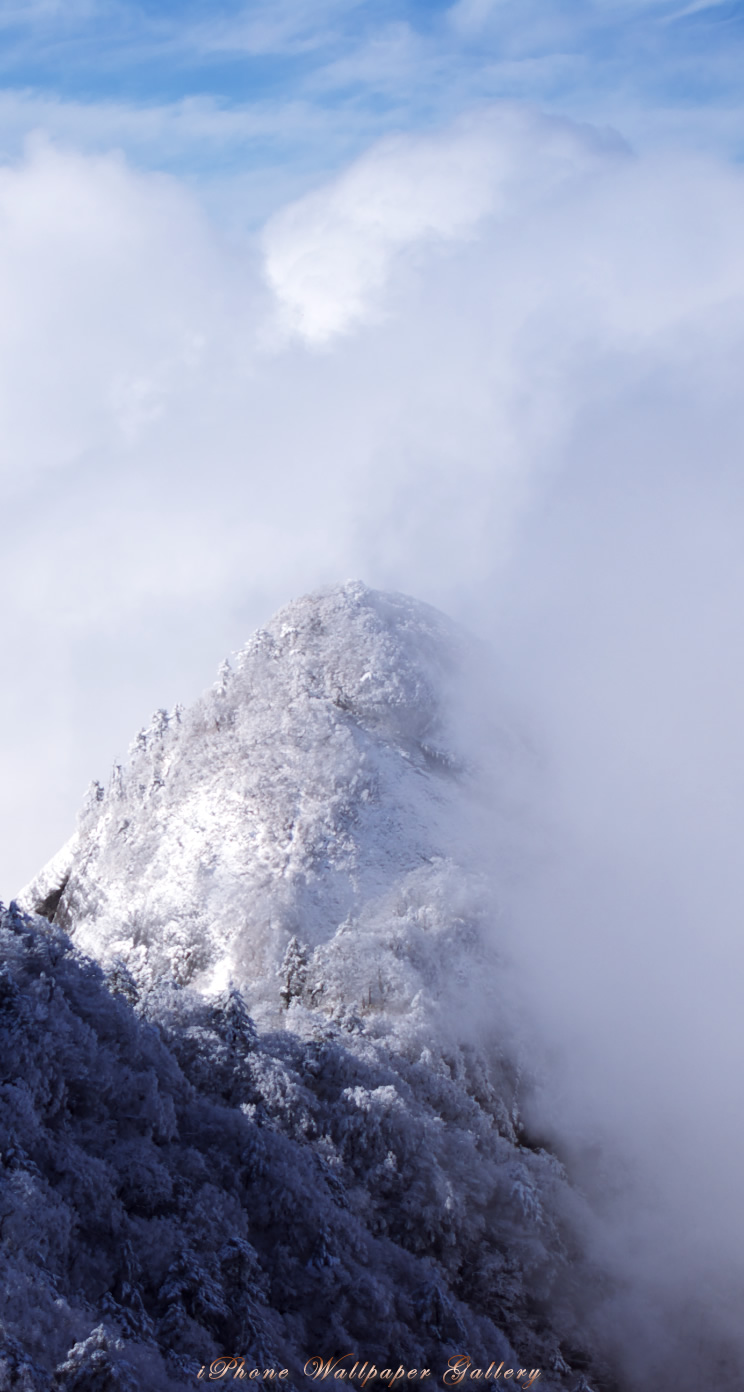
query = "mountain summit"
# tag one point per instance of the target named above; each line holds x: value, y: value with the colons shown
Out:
x: 261, y: 1105
x: 322, y: 774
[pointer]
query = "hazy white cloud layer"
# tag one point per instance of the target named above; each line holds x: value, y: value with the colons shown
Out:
x: 499, y: 368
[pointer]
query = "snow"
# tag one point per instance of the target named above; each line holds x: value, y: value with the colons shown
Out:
x: 314, y: 787
x: 269, y: 1128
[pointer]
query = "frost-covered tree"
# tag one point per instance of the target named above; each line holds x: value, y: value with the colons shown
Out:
x: 262, y: 1123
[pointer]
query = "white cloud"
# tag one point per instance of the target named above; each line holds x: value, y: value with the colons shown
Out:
x: 105, y: 280
x: 329, y: 255
x: 511, y: 385
x: 475, y: 293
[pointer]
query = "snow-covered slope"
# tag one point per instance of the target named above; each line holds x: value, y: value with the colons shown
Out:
x: 320, y: 788
x: 298, y: 844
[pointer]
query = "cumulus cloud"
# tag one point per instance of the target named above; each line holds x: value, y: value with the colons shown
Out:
x: 329, y: 255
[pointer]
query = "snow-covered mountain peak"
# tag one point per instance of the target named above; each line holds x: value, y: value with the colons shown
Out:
x: 287, y: 1116
x: 383, y: 658
x: 319, y: 1146
x: 321, y: 783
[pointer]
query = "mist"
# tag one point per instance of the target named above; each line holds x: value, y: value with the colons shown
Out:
x: 498, y: 368
x: 623, y: 933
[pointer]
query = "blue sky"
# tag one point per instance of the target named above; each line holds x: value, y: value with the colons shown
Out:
x: 298, y: 87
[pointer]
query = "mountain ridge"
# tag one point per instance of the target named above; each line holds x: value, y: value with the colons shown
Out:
x: 324, y: 767
x: 279, y: 884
